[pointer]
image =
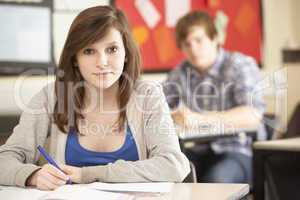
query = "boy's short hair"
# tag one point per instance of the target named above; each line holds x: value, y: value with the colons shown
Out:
x: 192, y: 19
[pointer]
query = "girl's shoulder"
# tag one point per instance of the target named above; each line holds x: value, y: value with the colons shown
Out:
x: 45, y: 97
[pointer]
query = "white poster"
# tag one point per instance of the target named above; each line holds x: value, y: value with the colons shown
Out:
x: 148, y: 12
x: 25, y: 34
x: 176, y: 9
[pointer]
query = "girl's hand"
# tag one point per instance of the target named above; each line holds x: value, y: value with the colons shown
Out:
x: 73, y: 172
x: 47, y: 178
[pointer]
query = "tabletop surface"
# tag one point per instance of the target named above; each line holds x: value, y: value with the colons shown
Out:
x: 206, y: 191
x: 210, y: 133
x: 291, y: 144
x: 186, y: 191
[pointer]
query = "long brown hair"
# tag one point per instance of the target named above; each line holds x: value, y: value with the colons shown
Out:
x: 88, y: 27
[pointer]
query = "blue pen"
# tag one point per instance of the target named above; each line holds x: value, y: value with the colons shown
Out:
x: 50, y: 160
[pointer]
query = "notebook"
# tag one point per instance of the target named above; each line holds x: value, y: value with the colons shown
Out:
x: 156, y: 187
x: 66, y: 192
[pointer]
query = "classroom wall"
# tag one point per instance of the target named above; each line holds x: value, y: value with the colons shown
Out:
x: 295, y: 22
x: 281, y: 29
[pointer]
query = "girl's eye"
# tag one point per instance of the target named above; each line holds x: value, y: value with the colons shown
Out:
x: 88, y: 51
x: 112, y: 49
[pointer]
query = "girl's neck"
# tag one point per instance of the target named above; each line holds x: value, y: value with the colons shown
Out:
x: 101, y: 100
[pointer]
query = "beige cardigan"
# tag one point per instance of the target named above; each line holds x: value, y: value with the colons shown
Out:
x: 160, y: 158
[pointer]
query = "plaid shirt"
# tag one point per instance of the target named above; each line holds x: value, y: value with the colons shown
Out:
x: 229, y: 83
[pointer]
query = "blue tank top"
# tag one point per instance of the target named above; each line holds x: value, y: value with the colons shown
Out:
x: 78, y: 156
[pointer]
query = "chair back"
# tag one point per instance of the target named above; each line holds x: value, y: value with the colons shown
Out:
x: 192, y: 176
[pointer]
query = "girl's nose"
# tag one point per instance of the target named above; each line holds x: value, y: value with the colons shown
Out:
x: 102, y: 60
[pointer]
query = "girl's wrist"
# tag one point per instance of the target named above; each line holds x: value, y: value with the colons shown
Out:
x: 31, y: 180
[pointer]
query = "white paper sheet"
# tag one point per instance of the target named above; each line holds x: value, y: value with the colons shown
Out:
x: 66, y: 192
x: 176, y: 9
x: 15, y: 193
x: 148, y: 11
x: 160, y: 187
x: 77, y: 192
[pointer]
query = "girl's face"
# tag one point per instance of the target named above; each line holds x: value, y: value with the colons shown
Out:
x: 101, y: 64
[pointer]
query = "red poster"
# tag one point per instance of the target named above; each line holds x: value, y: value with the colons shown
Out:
x: 153, y: 22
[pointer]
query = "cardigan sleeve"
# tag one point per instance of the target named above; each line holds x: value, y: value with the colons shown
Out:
x: 18, y: 155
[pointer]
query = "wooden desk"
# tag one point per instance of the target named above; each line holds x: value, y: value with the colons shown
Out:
x: 263, y: 150
x: 292, y: 144
x: 201, y: 136
x: 205, y: 191
x: 191, y: 191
